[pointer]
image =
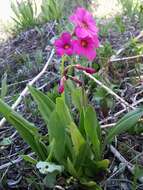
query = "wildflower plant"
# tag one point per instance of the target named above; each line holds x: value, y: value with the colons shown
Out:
x: 82, y: 42
x: 84, y: 38
x: 74, y: 143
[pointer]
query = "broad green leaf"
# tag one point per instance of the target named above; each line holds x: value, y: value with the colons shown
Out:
x: 50, y: 180
x: 26, y: 129
x: 90, y: 185
x: 69, y: 87
x: 124, y: 124
x: 81, y: 123
x: 79, y: 98
x: 93, y: 131
x: 45, y: 104
x: 29, y: 159
x: 102, y: 165
x: 41, y: 147
x: 63, y: 111
x: 71, y: 169
x: 138, y: 172
x: 51, y: 151
x: 58, y: 129
x: 77, y: 139
x: 81, y: 152
x: 93, y: 168
x: 83, y: 158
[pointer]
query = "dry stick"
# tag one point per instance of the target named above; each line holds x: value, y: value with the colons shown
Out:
x: 123, y: 160
x: 138, y: 58
x: 117, y: 114
x: 127, y: 45
x: 19, y: 159
x: 109, y: 90
x: 108, y: 125
x: 24, y: 92
x: 113, y: 150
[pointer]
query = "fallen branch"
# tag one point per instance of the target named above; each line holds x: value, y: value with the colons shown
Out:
x: 130, y: 166
x: 109, y: 90
x: 108, y: 125
x: 117, y: 114
x: 121, y: 158
x: 24, y: 92
x: 19, y: 159
x: 132, y: 59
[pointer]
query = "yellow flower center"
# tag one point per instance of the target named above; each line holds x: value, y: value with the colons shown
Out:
x: 66, y: 46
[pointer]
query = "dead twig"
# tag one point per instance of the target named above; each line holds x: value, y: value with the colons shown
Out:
x: 124, y: 161
x: 19, y: 159
x: 132, y: 59
x: 109, y: 91
x: 117, y: 114
x: 24, y: 92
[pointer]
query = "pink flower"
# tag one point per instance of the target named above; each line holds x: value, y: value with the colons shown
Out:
x: 87, y: 69
x: 64, y: 44
x: 85, y: 23
x: 85, y: 47
x: 61, y: 85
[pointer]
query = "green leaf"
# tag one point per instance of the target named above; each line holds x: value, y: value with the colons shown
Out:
x: 93, y: 131
x: 81, y: 152
x: 90, y: 185
x: 63, y: 111
x: 71, y: 169
x: 29, y: 159
x: 124, y: 124
x: 79, y: 98
x: 50, y: 180
x: 77, y: 139
x: 58, y: 129
x: 81, y: 123
x: 26, y: 129
x: 45, y: 104
x: 138, y: 172
x: 102, y: 165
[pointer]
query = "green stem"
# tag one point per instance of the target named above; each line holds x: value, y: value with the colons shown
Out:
x: 62, y: 64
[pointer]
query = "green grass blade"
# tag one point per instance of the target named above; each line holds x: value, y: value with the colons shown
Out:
x: 26, y: 129
x: 93, y: 131
x: 124, y: 124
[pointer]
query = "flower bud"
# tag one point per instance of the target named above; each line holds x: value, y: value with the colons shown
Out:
x: 86, y: 69
x: 61, y: 85
x: 76, y: 80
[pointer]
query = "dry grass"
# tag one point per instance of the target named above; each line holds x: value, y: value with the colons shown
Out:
x: 101, y: 8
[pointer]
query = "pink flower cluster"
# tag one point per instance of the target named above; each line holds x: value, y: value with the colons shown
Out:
x: 85, y: 39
